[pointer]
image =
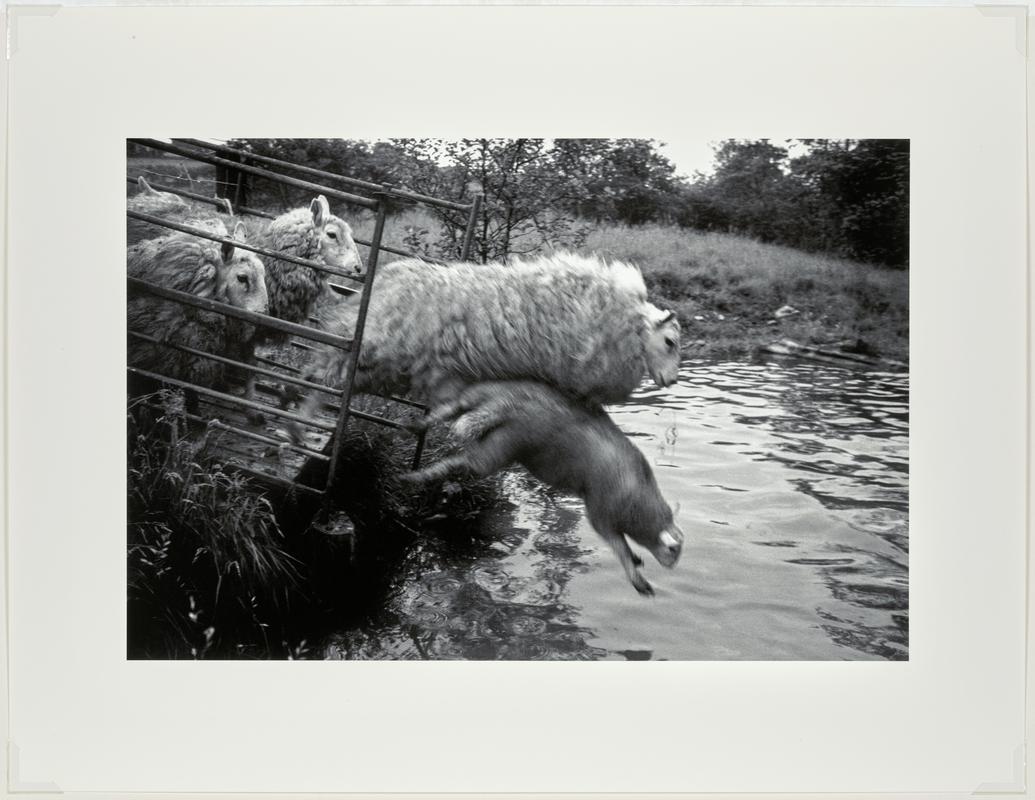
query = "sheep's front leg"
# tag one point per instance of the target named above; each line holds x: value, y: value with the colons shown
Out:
x: 287, y: 394
x: 307, y: 408
x: 439, y: 413
x: 255, y: 417
x: 630, y: 562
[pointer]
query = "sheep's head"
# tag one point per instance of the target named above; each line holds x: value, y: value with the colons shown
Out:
x: 665, y: 545
x: 661, y: 347
x: 334, y: 243
x: 241, y: 279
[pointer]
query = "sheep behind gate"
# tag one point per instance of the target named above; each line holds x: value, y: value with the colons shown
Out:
x: 205, y: 269
x: 312, y: 233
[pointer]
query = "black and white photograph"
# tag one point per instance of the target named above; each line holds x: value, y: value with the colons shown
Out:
x: 518, y: 399
x: 652, y: 376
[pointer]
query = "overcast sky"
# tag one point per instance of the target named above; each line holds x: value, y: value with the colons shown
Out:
x: 697, y: 155
x: 690, y: 155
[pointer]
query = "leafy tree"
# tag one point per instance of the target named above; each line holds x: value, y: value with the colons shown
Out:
x: 862, y: 189
x: 522, y: 195
x: 848, y: 197
x: 617, y: 180
x: 750, y: 192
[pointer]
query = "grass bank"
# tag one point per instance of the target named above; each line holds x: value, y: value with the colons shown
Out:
x: 726, y: 290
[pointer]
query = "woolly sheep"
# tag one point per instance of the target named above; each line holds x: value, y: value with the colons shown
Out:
x: 206, y: 269
x: 312, y: 233
x: 571, y: 447
x: 580, y: 324
x: 168, y: 206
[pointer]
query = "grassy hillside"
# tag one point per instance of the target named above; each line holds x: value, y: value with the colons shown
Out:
x: 726, y: 289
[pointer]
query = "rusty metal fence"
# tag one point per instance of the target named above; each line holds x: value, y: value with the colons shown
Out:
x: 239, y: 163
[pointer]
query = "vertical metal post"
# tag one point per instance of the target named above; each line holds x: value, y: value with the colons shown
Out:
x: 357, y: 342
x: 472, y: 222
x: 465, y: 254
x: 239, y: 188
x: 418, y: 453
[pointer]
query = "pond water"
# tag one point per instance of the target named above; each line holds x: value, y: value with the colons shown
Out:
x: 792, y: 480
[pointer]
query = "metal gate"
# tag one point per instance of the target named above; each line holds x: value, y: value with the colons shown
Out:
x: 236, y: 164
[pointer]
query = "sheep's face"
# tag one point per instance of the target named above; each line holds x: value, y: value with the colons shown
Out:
x: 666, y: 546
x: 245, y: 283
x: 662, y: 346
x: 644, y: 516
x: 334, y: 241
x: 337, y: 248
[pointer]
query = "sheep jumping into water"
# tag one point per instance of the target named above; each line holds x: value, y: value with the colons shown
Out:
x: 166, y: 205
x: 312, y: 233
x: 207, y: 269
x: 571, y: 447
x: 578, y: 323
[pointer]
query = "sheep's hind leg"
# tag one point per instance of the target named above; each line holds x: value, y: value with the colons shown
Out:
x: 479, y: 461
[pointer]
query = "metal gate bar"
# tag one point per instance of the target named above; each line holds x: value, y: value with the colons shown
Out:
x: 357, y: 343
x: 268, y: 373
x: 366, y: 202
x: 186, y: 298
x: 202, y: 198
x: 375, y: 188
x: 231, y: 399
x: 258, y: 437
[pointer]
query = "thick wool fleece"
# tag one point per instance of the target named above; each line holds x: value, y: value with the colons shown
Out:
x: 577, y: 323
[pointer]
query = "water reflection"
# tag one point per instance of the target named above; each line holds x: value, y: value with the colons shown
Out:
x: 508, y: 604
x: 793, y: 484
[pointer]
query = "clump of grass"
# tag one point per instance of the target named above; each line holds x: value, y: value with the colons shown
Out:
x: 208, y: 572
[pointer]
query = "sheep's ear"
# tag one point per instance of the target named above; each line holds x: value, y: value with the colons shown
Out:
x: 145, y: 186
x: 665, y: 318
x: 227, y: 251
x: 239, y: 233
x: 228, y: 209
x: 321, y: 210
